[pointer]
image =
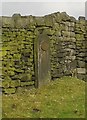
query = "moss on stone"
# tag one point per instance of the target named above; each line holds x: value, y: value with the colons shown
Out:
x: 5, y: 84
x: 79, y: 36
x: 27, y: 83
x: 15, y: 83
x: 9, y: 90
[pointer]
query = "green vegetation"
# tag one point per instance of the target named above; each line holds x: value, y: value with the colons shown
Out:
x: 62, y: 98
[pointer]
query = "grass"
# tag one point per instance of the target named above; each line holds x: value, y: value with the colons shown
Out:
x: 63, y: 98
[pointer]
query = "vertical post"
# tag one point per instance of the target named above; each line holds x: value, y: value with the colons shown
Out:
x: 42, y: 60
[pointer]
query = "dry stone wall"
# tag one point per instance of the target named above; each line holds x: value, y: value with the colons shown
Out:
x: 81, y: 48
x: 67, y: 48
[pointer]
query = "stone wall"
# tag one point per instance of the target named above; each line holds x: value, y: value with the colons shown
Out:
x: 81, y: 48
x: 63, y: 46
x: 67, y: 48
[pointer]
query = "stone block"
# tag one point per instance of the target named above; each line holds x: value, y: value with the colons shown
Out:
x: 26, y: 77
x: 9, y: 90
x: 14, y: 83
x: 16, y: 18
x: 82, y: 54
x: 81, y: 18
x: 65, y: 33
x: 64, y: 16
x: 7, y: 78
x: 40, y: 21
x: 79, y: 36
x: 72, y: 34
x: 81, y: 70
x: 72, y: 19
x: 71, y: 29
x: 48, y: 21
x: 7, y: 22
x: 81, y: 64
x: 56, y: 27
x: 27, y: 83
x: 5, y: 84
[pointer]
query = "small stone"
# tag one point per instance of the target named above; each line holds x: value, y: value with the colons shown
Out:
x: 9, y: 90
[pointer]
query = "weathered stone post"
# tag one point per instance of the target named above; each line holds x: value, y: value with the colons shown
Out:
x: 42, y: 60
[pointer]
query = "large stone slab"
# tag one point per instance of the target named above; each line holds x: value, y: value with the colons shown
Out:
x: 42, y: 60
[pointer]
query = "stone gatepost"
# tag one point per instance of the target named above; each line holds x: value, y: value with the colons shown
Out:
x: 42, y: 60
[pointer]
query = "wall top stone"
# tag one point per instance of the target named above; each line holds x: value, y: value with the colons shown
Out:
x: 81, y: 18
x: 18, y: 21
